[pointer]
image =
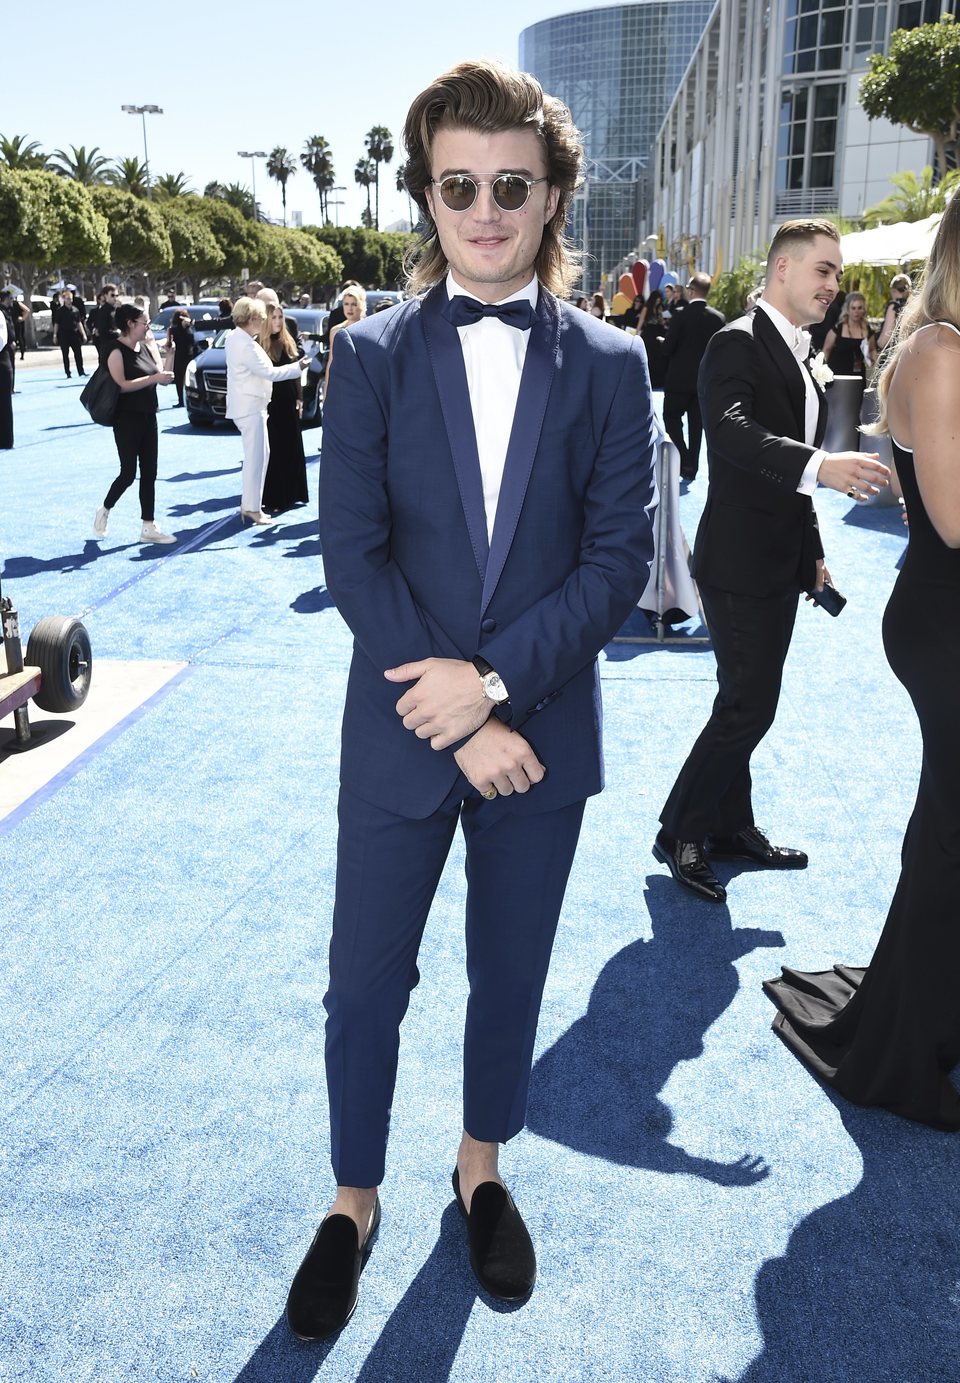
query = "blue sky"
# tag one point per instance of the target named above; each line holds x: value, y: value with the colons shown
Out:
x: 242, y: 75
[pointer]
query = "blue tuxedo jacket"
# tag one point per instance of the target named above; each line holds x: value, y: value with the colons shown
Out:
x: 405, y: 548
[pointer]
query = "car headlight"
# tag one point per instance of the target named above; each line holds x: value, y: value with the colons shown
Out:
x: 190, y: 377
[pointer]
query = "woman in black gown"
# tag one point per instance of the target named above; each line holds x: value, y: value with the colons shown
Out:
x: 890, y: 1035
x: 844, y: 347
x: 286, y: 480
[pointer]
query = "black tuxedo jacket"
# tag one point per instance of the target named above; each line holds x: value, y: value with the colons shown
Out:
x: 757, y: 536
x: 688, y: 336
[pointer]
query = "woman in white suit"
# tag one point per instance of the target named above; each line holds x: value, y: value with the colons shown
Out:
x: 250, y: 379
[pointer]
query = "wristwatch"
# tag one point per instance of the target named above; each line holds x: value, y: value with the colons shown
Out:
x: 493, y: 688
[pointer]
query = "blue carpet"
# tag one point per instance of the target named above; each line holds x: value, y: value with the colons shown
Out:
x: 703, y: 1209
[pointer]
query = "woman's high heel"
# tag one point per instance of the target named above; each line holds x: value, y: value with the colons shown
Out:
x: 255, y: 516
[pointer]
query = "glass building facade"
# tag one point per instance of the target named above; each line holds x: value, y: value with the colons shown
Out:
x: 617, y: 69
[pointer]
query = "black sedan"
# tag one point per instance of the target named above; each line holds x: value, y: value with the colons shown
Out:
x: 205, y: 384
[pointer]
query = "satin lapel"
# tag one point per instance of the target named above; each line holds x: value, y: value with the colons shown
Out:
x: 786, y: 362
x: 536, y: 380
x: 446, y: 359
x: 821, y: 416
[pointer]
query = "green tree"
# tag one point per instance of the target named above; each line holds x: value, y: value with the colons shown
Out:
x: 730, y: 289
x: 235, y: 235
x: 371, y: 257
x: 281, y: 166
x: 317, y: 159
x: 365, y: 174
x: 130, y: 175
x: 81, y: 166
x: 139, y: 239
x: 917, y: 84
x: 402, y: 187
x: 196, y: 252
x: 379, y: 146
x: 171, y: 185
x: 914, y: 198
x: 17, y: 154
x: 47, y: 222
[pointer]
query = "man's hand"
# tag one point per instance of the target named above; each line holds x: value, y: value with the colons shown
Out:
x: 500, y: 759
x: 822, y: 576
x: 446, y: 702
x: 858, y: 474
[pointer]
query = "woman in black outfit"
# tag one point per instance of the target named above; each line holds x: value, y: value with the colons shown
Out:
x: 135, y: 368
x: 6, y: 380
x: 890, y: 1035
x: 653, y: 332
x: 286, y: 479
x: 843, y: 348
x: 69, y: 333
x: 180, y: 336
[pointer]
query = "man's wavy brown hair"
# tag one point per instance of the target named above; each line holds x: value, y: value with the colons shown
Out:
x: 491, y: 97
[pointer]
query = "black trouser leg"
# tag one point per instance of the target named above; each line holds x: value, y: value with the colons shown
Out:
x: 674, y: 406
x: 751, y: 636
x: 65, y: 352
x: 136, y: 438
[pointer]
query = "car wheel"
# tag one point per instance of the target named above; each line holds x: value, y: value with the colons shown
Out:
x: 60, y: 648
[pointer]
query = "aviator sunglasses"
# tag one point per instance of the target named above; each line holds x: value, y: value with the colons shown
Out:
x: 510, y: 192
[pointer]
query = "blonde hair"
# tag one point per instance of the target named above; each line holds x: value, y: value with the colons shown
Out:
x: 284, y: 344
x: 937, y: 299
x: 490, y: 97
x: 355, y: 291
x: 249, y: 310
x: 849, y: 300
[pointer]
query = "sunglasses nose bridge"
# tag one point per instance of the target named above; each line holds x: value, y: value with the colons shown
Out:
x: 484, y: 203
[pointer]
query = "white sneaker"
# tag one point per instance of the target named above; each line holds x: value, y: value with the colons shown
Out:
x: 150, y: 533
x: 100, y: 521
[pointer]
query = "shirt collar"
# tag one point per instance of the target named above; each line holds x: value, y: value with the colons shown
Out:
x: 530, y: 292
x: 795, y: 338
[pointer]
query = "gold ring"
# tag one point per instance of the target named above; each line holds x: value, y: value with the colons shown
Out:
x: 851, y: 493
x: 490, y: 794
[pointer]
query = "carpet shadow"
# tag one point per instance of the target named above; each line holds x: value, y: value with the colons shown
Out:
x: 883, y: 518
x: 205, y: 506
x: 15, y: 567
x: 426, y: 1328
x: 869, y: 1285
x: 312, y: 602
x: 597, y: 1089
x: 281, y: 1356
x: 200, y: 475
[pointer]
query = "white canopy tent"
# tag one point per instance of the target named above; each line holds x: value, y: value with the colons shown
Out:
x: 900, y: 243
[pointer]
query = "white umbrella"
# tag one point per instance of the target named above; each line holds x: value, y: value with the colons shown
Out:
x: 894, y: 244
x: 12, y: 288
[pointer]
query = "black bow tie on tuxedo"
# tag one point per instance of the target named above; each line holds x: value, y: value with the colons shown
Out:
x: 463, y: 312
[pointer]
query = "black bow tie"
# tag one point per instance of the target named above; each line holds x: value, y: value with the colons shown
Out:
x: 463, y: 312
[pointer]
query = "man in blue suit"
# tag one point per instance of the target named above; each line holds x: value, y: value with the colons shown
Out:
x: 487, y: 497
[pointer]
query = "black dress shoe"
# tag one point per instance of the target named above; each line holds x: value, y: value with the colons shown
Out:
x: 501, y: 1251
x: 686, y: 862
x: 751, y: 844
x: 687, y: 474
x: 323, y: 1295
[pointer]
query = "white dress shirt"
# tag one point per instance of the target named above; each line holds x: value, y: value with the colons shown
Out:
x: 493, y: 354
x: 808, y: 481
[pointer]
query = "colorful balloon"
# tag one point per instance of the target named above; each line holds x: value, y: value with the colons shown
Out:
x: 669, y: 277
x: 639, y: 275
x: 626, y: 286
x: 656, y: 274
x: 621, y: 302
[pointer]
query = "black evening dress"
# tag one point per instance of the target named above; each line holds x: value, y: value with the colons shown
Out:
x: 286, y: 479
x: 890, y: 1035
x: 846, y: 358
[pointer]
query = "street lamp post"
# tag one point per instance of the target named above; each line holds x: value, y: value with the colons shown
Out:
x: 335, y: 203
x: 251, y: 155
x: 143, y: 112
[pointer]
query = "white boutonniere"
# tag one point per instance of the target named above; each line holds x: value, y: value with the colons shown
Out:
x: 821, y: 371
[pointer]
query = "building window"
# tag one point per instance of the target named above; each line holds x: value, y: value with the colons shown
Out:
x: 814, y: 35
x: 910, y: 13
x: 809, y: 123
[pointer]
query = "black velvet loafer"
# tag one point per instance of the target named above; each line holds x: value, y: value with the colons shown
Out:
x: 686, y: 861
x: 501, y: 1251
x: 323, y: 1295
x: 751, y: 844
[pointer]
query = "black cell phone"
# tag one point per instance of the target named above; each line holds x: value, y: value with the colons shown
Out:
x: 829, y: 599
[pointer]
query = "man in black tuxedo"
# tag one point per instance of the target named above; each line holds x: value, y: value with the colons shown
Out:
x: 688, y: 336
x: 758, y: 545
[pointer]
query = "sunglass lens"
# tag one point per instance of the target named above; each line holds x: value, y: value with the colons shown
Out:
x: 458, y: 193
x: 510, y: 192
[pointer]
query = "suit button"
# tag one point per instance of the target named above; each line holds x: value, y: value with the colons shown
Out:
x: 488, y: 626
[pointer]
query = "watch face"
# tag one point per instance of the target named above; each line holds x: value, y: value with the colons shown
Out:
x: 493, y: 688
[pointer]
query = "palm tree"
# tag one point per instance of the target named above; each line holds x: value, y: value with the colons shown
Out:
x: 236, y: 195
x: 17, y: 153
x: 80, y: 166
x: 281, y: 165
x: 365, y: 174
x: 171, y: 185
x: 379, y: 145
x: 915, y: 197
x: 317, y: 159
x: 402, y: 187
x: 131, y: 175
x: 215, y: 190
